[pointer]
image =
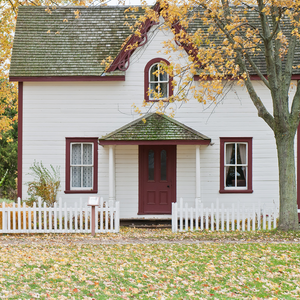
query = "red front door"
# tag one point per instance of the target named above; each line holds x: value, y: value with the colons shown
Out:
x: 157, y: 179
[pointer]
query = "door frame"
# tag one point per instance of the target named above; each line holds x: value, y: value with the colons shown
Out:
x: 141, y: 185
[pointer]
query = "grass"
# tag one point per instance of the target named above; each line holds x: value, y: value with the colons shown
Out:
x: 71, y: 267
x: 147, y: 271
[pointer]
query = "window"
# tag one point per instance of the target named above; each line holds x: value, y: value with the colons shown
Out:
x: 236, y: 165
x: 157, y: 80
x: 81, y: 165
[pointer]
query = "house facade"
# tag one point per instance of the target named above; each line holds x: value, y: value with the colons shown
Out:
x: 75, y: 115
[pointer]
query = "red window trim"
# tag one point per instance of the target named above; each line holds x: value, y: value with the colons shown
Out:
x: 68, y: 175
x: 146, y: 78
x: 224, y: 140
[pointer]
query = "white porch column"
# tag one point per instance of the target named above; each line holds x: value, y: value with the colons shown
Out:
x: 198, y: 180
x: 111, y: 173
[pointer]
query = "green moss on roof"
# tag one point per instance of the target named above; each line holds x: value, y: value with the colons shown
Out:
x: 46, y: 45
x: 156, y: 127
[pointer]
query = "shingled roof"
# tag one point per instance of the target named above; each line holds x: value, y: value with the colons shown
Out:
x: 156, y: 128
x: 47, y: 45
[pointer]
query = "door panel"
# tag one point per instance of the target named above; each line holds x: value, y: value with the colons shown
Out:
x: 157, y: 179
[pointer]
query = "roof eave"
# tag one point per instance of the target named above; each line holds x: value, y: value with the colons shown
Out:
x: 154, y: 142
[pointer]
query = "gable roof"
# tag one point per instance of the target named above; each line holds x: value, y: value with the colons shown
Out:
x: 48, y: 45
x: 156, y: 128
x: 45, y: 45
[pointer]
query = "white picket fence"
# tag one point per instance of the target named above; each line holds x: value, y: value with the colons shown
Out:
x: 217, y: 217
x: 60, y: 218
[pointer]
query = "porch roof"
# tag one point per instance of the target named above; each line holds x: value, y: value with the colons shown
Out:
x: 158, y: 129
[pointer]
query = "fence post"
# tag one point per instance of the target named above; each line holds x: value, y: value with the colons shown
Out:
x: 19, y: 213
x: 4, y: 218
x: 111, y: 212
x: 181, y: 214
x: 196, y: 213
x: 117, y: 217
x: 173, y: 216
x: 217, y: 214
x: 212, y: 218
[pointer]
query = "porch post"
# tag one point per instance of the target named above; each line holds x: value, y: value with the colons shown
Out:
x: 111, y: 173
x: 198, y: 190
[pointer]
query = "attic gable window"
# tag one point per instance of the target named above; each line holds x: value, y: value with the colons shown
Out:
x: 157, y: 81
x: 81, y: 165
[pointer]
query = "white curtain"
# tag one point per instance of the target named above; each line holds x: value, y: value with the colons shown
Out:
x: 86, y: 172
x: 76, y: 160
x: 243, y: 152
x: 228, y: 152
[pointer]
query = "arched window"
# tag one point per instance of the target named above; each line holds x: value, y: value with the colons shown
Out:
x: 157, y: 81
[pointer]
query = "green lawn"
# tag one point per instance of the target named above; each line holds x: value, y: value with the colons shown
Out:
x: 67, y: 267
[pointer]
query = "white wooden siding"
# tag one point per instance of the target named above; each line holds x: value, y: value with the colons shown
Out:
x: 56, y: 110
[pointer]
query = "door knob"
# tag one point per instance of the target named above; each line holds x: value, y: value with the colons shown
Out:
x: 168, y: 186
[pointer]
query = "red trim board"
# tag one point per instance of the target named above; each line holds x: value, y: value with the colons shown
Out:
x: 67, y: 78
x: 20, y: 138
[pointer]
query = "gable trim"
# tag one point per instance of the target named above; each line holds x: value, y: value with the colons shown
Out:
x: 67, y: 78
x: 122, y: 61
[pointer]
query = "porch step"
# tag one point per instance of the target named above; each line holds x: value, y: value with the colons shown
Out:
x: 147, y: 224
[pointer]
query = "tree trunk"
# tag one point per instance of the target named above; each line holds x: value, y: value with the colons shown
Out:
x: 288, y: 215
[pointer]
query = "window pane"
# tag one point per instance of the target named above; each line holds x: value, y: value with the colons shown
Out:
x: 230, y: 154
x: 242, y: 151
x: 241, y: 176
x: 153, y: 88
x: 230, y: 176
x: 76, y: 176
x: 87, y: 154
x: 163, y: 165
x: 87, y: 176
x: 151, y: 165
x: 154, y: 77
x: 76, y: 154
x: 164, y: 90
x: 163, y: 76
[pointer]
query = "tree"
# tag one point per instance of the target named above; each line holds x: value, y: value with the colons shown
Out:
x: 235, y: 40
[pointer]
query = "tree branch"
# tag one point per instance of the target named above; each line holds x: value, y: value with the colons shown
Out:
x: 295, y: 110
x: 290, y: 60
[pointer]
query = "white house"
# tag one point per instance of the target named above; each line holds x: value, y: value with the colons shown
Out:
x: 75, y: 115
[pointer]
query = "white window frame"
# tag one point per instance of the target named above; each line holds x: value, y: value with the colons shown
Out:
x: 159, y: 82
x: 235, y: 166
x: 81, y: 166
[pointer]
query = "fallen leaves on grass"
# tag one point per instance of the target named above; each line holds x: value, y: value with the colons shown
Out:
x: 150, y: 271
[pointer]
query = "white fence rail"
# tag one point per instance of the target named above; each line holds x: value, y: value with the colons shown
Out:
x: 217, y: 217
x: 60, y: 218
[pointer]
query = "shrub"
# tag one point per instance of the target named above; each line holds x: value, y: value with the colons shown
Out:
x: 3, y: 178
x: 9, y: 161
x: 45, y: 184
x: 8, y: 201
